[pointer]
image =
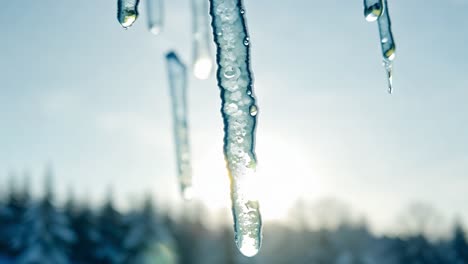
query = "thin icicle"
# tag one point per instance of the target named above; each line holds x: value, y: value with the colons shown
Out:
x: 240, y: 116
x: 177, y: 74
x: 155, y: 16
x: 378, y: 10
x: 127, y: 12
x: 202, y: 55
x: 387, y: 44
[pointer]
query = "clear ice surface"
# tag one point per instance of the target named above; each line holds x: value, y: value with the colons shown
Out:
x: 372, y: 9
x: 202, y: 55
x: 239, y: 112
x: 127, y: 12
x: 177, y: 74
x: 154, y: 10
x: 387, y: 44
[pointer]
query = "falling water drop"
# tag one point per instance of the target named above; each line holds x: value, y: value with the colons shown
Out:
x: 127, y: 12
x: 177, y: 74
x: 155, y: 12
x: 240, y: 115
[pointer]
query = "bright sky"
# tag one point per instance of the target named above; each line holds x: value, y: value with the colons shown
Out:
x: 79, y: 91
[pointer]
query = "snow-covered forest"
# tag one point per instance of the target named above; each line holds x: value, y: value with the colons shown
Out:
x: 41, y: 230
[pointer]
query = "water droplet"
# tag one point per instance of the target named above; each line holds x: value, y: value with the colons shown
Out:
x: 246, y: 41
x: 242, y: 11
x: 231, y: 72
x: 253, y: 110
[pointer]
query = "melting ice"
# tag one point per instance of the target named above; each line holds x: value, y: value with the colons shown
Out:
x: 240, y: 114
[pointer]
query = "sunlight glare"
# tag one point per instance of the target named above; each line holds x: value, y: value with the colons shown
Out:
x: 279, y: 181
x: 202, y: 68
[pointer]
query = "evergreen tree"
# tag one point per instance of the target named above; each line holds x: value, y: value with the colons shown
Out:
x: 110, y: 248
x: 14, y: 207
x: 83, y: 223
x: 460, y: 245
x: 44, y: 235
x: 144, y: 233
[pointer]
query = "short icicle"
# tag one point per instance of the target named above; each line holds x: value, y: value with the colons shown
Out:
x: 127, y: 12
x: 177, y: 74
x: 239, y: 112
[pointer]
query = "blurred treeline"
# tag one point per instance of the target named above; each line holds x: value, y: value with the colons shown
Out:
x: 38, y: 230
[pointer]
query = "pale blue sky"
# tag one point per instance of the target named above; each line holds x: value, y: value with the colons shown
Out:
x: 92, y: 98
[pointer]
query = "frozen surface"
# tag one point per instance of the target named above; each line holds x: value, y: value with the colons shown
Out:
x: 155, y: 14
x: 127, y: 12
x: 202, y: 55
x: 178, y: 88
x: 240, y: 114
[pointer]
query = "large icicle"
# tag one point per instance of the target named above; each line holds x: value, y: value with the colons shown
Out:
x: 202, y: 56
x: 154, y: 10
x: 378, y: 10
x: 239, y: 113
x: 127, y: 12
x: 177, y: 74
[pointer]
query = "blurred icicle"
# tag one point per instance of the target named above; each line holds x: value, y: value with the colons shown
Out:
x: 378, y: 10
x: 240, y: 116
x: 177, y: 74
x: 155, y: 15
x: 127, y: 12
x: 202, y: 56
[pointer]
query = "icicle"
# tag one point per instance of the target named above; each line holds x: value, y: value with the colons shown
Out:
x: 378, y: 10
x: 127, y: 12
x: 387, y: 44
x: 372, y: 9
x: 202, y: 56
x: 178, y: 85
x: 155, y: 15
x: 239, y: 113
